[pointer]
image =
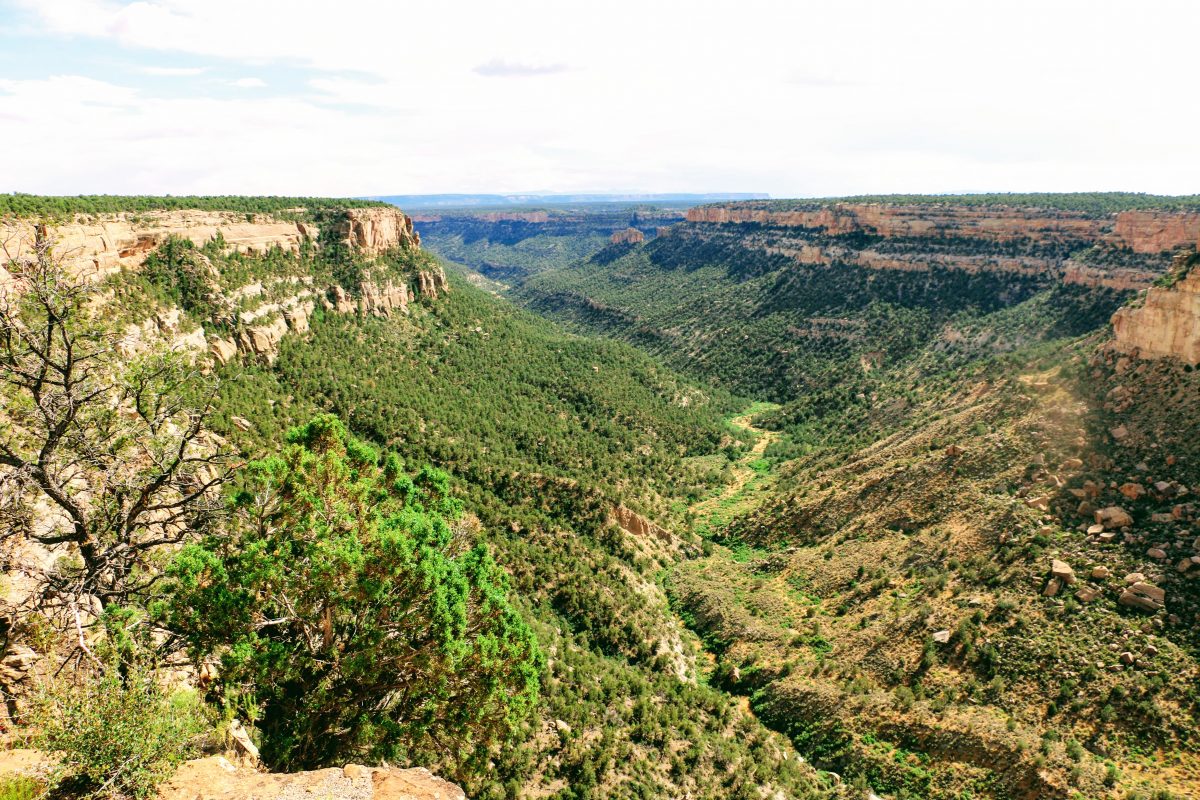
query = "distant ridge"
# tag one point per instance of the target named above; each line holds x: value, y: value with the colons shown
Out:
x: 416, y: 201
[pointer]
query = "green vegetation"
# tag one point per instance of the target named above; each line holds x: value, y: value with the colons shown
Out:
x: 118, y: 731
x: 512, y: 246
x: 845, y: 349
x: 20, y: 787
x: 541, y: 563
x: 53, y: 207
x: 350, y: 616
x: 542, y: 434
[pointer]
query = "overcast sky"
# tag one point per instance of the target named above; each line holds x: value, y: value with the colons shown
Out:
x: 792, y: 98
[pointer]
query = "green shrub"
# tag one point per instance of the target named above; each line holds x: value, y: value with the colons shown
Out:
x: 118, y: 732
x: 350, y: 615
x: 20, y: 787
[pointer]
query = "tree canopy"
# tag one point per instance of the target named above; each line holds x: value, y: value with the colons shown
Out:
x: 351, y: 612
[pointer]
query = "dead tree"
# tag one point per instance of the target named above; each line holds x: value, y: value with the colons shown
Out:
x: 103, y: 456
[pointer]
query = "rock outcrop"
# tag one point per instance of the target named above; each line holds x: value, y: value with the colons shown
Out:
x: 381, y: 300
x: 376, y: 229
x: 627, y: 236
x: 1139, y: 231
x: 1021, y: 240
x: 1166, y: 325
x: 219, y: 778
x: 102, y: 244
x: 431, y: 282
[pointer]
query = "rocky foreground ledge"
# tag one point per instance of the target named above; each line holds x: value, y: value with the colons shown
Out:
x: 219, y: 778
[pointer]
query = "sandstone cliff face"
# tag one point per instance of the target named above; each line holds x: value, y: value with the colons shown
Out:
x: 628, y: 236
x: 376, y: 230
x: 102, y: 245
x: 1018, y: 240
x: 1167, y: 325
x: 993, y: 224
x: 1156, y: 231
x: 1139, y: 231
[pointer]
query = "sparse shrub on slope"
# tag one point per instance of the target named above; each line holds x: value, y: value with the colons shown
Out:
x: 115, y: 729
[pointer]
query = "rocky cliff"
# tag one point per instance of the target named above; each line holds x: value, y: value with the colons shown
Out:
x: 1139, y: 231
x: 1124, y: 251
x: 627, y: 236
x: 103, y: 244
x: 376, y: 230
x: 1165, y: 325
x: 256, y: 316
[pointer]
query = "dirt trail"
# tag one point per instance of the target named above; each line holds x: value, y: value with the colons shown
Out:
x: 743, y: 473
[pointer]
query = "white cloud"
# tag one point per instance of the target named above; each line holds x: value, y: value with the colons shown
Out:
x: 249, y: 83
x: 501, y: 68
x: 181, y: 72
x: 781, y: 96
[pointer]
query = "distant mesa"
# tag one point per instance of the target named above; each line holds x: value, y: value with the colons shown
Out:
x: 628, y: 236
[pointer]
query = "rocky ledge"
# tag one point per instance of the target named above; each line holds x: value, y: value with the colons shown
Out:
x: 1165, y: 325
x: 220, y: 778
x: 217, y: 778
x: 1139, y: 231
x: 100, y: 245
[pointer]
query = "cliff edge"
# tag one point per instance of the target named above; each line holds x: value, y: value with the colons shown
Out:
x: 1167, y: 323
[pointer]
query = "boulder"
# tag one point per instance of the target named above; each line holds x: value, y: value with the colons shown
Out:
x: 18, y: 660
x: 1113, y: 517
x: 241, y: 740
x: 1100, y: 573
x: 1133, y: 491
x: 222, y: 350
x: 1062, y: 571
x: 216, y: 778
x: 1144, y: 597
x: 413, y: 784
